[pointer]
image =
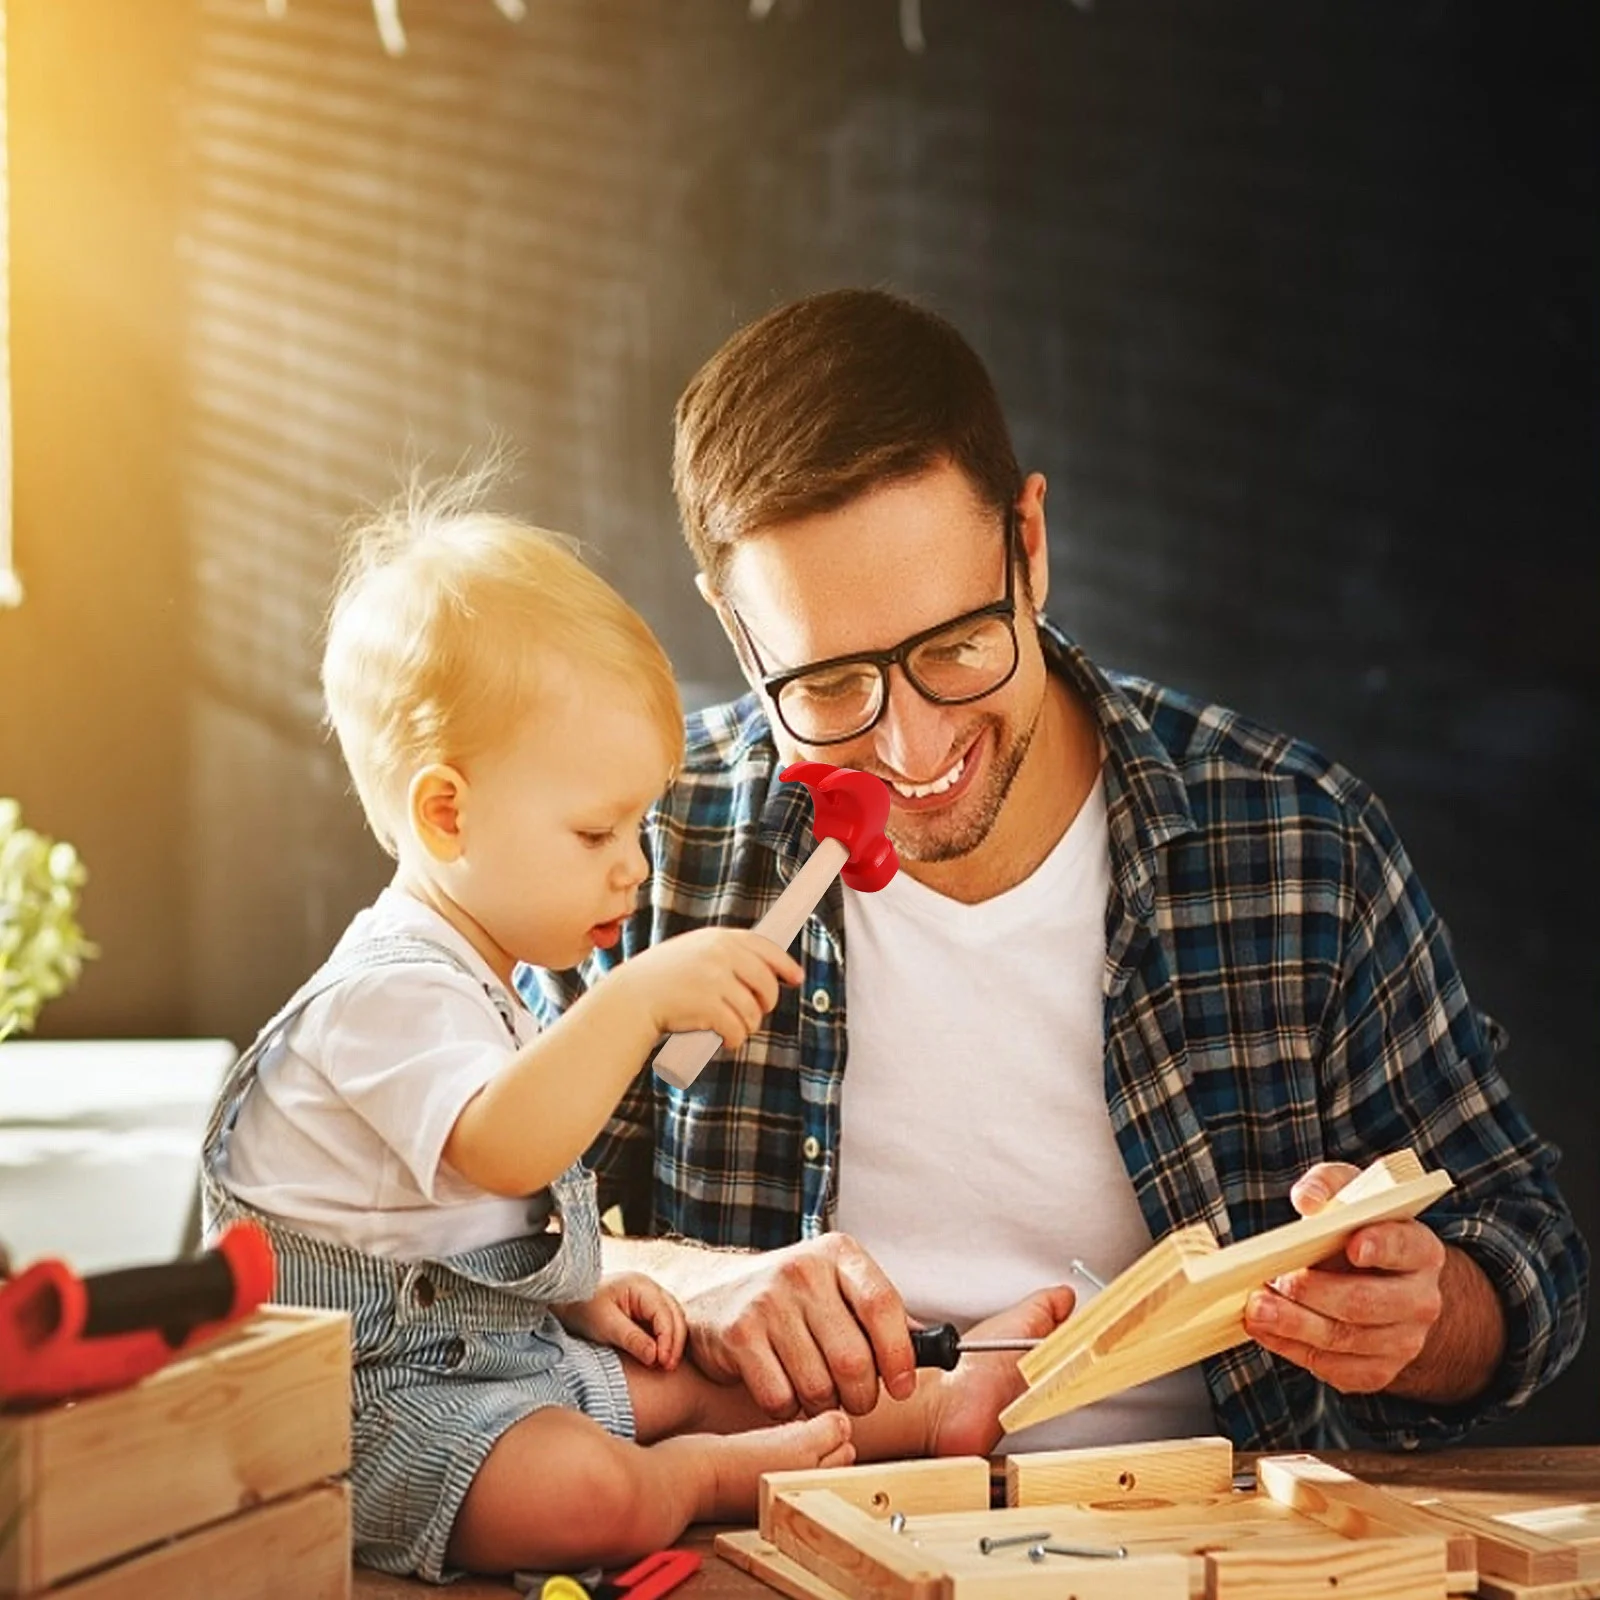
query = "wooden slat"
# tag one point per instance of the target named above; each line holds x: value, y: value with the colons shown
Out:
x: 950, y: 1483
x: 850, y: 1550
x: 1171, y: 1309
x: 1134, y: 1294
x: 296, y: 1547
x: 1169, y: 1469
x: 1364, y: 1569
x: 1505, y: 1551
x: 1357, y: 1510
x: 1505, y: 1589
x: 749, y: 1552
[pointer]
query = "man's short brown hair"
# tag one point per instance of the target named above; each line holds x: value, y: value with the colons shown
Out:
x: 819, y: 402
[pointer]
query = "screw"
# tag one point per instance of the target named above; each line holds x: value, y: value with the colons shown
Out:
x: 1038, y: 1552
x: 988, y: 1546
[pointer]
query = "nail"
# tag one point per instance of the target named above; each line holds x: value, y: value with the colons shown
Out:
x: 897, y: 1522
x: 988, y: 1545
x: 1087, y: 1276
x: 1262, y: 1311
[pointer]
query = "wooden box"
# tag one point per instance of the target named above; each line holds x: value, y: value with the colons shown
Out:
x: 235, y: 1440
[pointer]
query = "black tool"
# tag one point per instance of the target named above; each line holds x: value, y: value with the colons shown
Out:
x: 942, y: 1346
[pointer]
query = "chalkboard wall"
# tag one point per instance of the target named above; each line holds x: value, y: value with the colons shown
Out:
x: 1295, y: 304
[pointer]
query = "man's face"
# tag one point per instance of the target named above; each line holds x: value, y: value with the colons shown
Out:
x: 894, y: 563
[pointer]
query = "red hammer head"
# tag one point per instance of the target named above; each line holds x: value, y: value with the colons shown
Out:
x: 851, y: 807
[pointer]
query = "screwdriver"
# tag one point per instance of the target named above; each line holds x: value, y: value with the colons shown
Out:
x: 942, y: 1346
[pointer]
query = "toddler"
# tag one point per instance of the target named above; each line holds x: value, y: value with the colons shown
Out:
x: 410, y: 1140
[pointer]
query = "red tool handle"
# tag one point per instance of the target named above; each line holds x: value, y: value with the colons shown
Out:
x: 656, y: 1575
x: 62, y: 1335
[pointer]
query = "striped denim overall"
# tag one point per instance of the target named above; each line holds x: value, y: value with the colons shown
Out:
x: 448, y: 1353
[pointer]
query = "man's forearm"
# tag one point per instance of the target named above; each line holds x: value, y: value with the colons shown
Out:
x: 1467, y: 1343
x: 683, y: 1267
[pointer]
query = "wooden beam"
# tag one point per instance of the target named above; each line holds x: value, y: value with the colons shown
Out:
x: 1358, y: 1510
x: 1365, y: 1569
x: 1180, y: 1302
x: 1168, y: 1469
x: 947, y: 1483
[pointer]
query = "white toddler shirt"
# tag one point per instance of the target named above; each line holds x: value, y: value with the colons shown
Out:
x: 343, y: 1131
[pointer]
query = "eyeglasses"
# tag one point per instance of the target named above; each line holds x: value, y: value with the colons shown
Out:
x: 951, y: 663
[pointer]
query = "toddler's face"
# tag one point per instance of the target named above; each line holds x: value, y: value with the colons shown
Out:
x: 552, y: 858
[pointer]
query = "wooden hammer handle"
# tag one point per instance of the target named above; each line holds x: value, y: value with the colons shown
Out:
x: 684, y: 1056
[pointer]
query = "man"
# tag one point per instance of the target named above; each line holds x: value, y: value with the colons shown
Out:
x: 1146, y: 964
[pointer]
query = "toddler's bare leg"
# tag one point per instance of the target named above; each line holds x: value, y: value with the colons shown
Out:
x: 558, y: 1491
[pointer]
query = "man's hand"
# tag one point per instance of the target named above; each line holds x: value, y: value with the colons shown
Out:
x: 1371, y: 1319
x: 630, y: 1312
x: 805, y: 1329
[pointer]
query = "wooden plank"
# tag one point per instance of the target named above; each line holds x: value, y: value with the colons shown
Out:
x: 948, y: 1483
x: 1505, y: 1589
x: 1167, y: 1470
x: 299, y: 1546
x: 749, y: 1552
x: 258, y: 1413
x: 1132, y: 1295
x: 1176, y: 1308
x: 849, y: 1549
x: 1357, y: 1510
x: 1505, y: 1551
x: 1159, y: 1577
x: 1342, y: 1569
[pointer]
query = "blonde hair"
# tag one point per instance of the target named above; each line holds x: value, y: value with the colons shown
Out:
x: 449, y: 621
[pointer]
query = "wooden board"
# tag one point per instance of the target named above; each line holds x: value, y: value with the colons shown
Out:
x: 259, y: 1412
x: 1184, y: 1299
x: 1165, y: 1472
x: 296, y: 1547
x: 1359, y: 1510
x: 749, y: 1552
x: 949, y: 1483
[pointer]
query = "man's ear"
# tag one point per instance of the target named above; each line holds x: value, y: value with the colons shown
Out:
x: 435, y: 800
x: 1034, y: 538
x: 729, y: 627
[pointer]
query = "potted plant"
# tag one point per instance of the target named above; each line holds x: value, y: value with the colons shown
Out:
x: 42, y: 946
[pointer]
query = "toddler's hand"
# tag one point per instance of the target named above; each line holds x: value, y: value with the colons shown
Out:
x: 724, y: 979
x: 634, y: 1313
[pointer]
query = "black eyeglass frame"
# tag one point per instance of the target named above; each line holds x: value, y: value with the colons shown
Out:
x: 773, y: 684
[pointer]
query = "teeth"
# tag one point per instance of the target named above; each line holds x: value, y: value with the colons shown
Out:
x: 916, y: 791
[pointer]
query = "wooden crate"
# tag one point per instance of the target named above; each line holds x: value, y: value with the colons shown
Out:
x: 257, y: 1414
x: 1189, y: 1535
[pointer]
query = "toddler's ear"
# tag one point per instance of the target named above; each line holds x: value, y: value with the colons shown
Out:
x: 433, y: 803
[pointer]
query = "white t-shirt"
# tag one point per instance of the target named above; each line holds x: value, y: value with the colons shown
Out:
x: 976, y: 1154
x: 342, y: 1133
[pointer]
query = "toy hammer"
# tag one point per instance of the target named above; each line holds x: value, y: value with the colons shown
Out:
x: 850, y: 809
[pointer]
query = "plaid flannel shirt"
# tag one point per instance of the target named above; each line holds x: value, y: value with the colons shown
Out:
x: 1278, y: 991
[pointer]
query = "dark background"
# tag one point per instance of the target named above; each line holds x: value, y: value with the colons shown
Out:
x: 1295, y: 303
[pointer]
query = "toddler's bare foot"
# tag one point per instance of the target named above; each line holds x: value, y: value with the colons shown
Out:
x: 739, y: 1459
x: 966, y: 1418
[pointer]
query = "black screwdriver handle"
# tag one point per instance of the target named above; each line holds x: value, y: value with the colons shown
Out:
x: 939, y: 1346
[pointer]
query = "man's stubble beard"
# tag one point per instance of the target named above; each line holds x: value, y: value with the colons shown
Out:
x: 929, y: 845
